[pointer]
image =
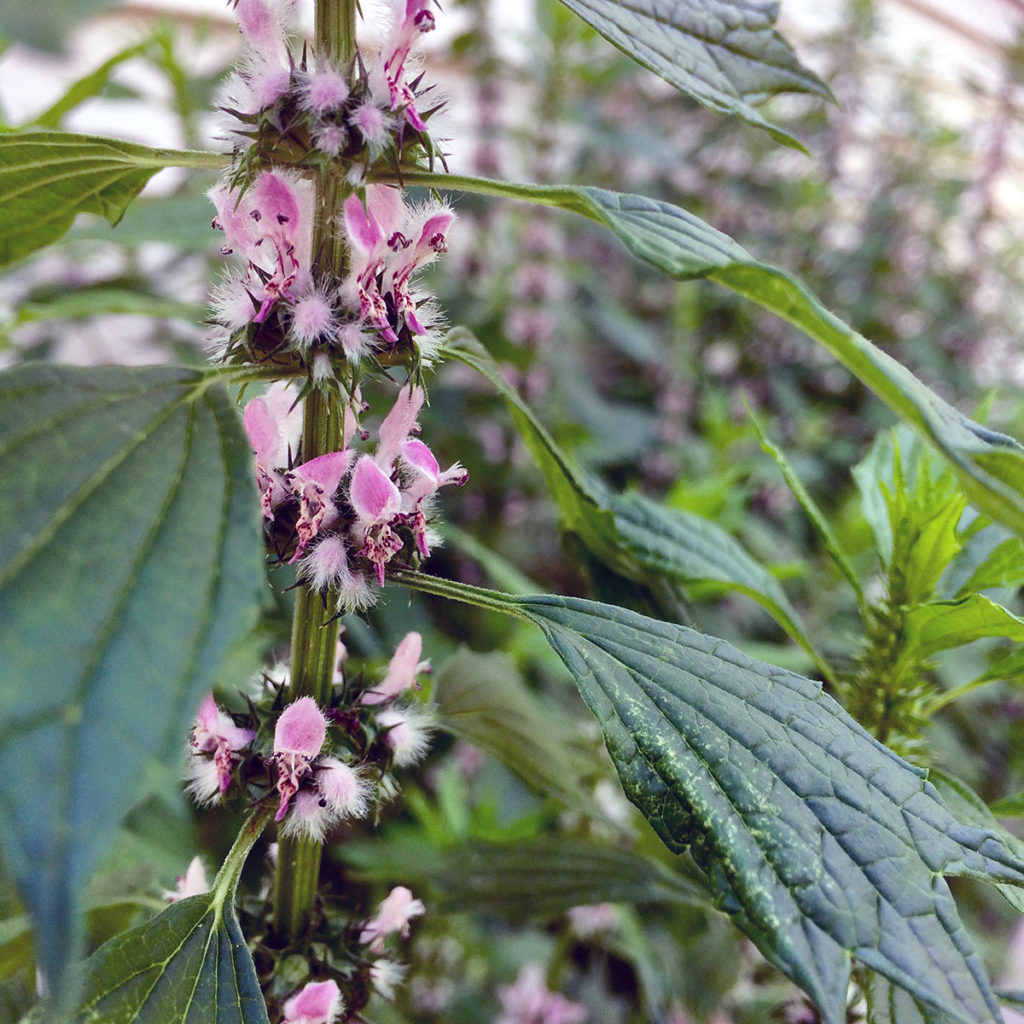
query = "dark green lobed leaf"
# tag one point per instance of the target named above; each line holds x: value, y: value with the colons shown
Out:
x: 819, y: 841
x: 130, y: 579
x: 725, y: 54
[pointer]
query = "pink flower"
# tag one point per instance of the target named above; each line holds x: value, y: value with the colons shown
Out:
x: 192, y: 883
x: 407, y: 733
x: 319, y: 1002
x: 214, y: 732
x: 394, y: 914
x: 314, y: 484
x: 402, y: 671
x: 418, y: 18
x: 323, y: 91
x: 270, y: 226
x: 376, y: 502
x: 273, y: 425
x: 528, y: 1001
x: 298, y: 737
x: 343, y: 788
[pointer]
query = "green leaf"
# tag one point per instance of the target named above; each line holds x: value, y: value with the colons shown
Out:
x: 821, y: 844
x: 1009, y: 806
x: 1002, y: 567
x: 482, y: 699
x: 86, y: 302
x: 940, y: 625
x: 188, y: 965
x: 88, y: 85
x: 543, y: 877
x: 634, y: 536
x: 889, y: 1004
x: 814, y: 514
x: 47, y: 178
x: 723, y: 53
x: 131, y: 577
x: 990, y: 465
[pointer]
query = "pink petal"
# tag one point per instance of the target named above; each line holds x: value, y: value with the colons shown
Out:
x: 421, y: 458
x: 386, y: 207
x: 363, y: 230
x: 398, y: 424
x: 276, y: 202
x: 372, y: 493
x: 319, y: 1002
x: 402, y: 669
x: 301, y: 729
x: 325, y: 470
x: 261, y: 429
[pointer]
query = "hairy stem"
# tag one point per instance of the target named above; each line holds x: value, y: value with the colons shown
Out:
x: 314, y: 626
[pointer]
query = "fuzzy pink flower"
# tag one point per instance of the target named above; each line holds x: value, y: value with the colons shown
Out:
x: 323, y: 91
x: 214, y: 732
x: 407, y: 732
x: 298, y: 737
x: 394, y: 914
x: 403, y: 668
x: 417, y: 18
x: 376, y: 501
x: 314, y: 484
x: 269, y: 225
x: 343, y: 788
x: 319, y: 1002
x: 372, y: 123
x: 273, y: 425
x: 192, y: 883
x: 312, y: 318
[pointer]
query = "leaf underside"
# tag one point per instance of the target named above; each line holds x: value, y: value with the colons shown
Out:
x: 822, y: 844
x: 725, y: 54
x: 47, y: 178
x: 189, y: 965
x: 130, y: 577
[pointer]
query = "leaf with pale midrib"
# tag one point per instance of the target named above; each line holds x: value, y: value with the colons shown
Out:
x: 822, y: 844
x: 990, y: 464
x: 820, y: 841
x: 47, y: 178
x: 131, y: 577
x: 726, y: 55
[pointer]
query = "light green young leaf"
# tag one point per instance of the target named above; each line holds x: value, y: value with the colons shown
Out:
x: 131, y: 577
x: 482, y: 699
x: 990, y: 465
x: 1009, y: 806
x: 632, y: 535
x: 939, y: 625
x: 725, y: 54
x: 1002, y: 567
x: 47, y: 178
x: 821, y: 844
x: 189, y: 964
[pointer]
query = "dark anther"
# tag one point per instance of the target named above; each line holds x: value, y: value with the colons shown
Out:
x: 438, y: 242
x: 282, y: 219
x: 398, y: 241
x: 256, y: 216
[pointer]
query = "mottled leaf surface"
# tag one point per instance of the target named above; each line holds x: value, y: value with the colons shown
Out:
x: 820, y: 842
x: 131, y: 575
x: 726, y: 54
x: 47, y: 178
x: 188, y: 965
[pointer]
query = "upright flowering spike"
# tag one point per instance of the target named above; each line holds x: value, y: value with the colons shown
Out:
x: 394, y: 914
x: 298, y: 738
x: 319, y: 1002
x: 403, y: 668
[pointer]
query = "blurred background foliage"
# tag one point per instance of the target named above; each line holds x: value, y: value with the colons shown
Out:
x: 897, y: 221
